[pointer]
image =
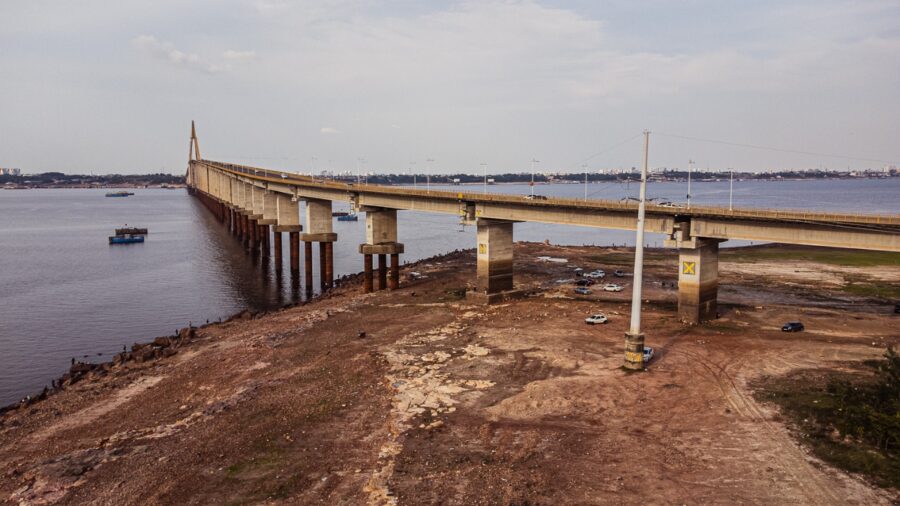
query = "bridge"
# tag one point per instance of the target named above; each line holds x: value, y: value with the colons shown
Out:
x: 259, y: 204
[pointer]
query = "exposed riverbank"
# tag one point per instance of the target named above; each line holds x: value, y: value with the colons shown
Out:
x: 446, y: 401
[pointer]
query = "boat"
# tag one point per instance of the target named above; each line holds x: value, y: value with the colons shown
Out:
x: 339, y: 213
x: 348, y: 217
x: 119, y: 194
x: 125, y: 239
x: 131, y: 231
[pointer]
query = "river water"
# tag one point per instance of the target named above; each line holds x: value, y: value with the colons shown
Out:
x: 65, y: 293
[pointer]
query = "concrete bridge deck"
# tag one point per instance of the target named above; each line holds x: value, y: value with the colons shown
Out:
x: 250, y: 199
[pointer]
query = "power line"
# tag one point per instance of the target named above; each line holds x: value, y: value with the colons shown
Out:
x: 606, y: 150
x: 769, y: 148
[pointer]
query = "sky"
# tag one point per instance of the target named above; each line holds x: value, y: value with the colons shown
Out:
x: 308, y: 85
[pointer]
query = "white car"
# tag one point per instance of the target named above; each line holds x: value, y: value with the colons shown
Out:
x: 612, y: 287
x: 648, y: 354
x: 598, y: 274
x: 596, y: 318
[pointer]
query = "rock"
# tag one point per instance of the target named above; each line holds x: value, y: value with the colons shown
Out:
x: 162, y: 341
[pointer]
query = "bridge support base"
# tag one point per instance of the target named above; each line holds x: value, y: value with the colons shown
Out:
x: 294, y: 239
x: 495, y: 262
x: 382, y: 251
x: 634, y: 351
x: 698, y: 281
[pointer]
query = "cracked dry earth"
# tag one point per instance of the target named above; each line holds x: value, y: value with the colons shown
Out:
x: 443, y: 402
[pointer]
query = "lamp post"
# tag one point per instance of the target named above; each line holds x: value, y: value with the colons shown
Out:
x: 484, y: 169
x: 533, y: 161
x: 634, y: 339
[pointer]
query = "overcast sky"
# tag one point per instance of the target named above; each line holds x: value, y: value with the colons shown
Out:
x: 112, y: 86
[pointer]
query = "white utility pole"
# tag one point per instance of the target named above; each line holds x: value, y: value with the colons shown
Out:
x: 533, y: 161
x: 584, y: 168
x: 634, y: 340
x: 690, y: 169
x: 731, y: 191
x: 484, y: 169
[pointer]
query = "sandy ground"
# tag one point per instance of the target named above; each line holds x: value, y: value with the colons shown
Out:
x: 443, y: 402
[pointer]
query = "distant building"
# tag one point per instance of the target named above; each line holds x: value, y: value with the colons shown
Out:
x: 10, y: 172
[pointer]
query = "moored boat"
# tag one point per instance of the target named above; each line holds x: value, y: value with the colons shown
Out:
x: 125, y: 239
x: 119, y: 194
x: 348, y: 217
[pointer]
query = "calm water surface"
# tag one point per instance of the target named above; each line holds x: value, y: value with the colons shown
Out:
x: 64, y: 292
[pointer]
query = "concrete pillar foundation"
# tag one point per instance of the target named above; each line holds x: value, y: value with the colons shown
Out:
x: 368, y: 285
x: 698, y: 281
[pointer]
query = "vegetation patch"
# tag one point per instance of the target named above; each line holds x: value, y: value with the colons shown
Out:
x: 849, y: 419
x: 878, y: 290
x: 850, y: 258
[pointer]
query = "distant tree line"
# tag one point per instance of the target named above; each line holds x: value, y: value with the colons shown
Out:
x: 58, y: 178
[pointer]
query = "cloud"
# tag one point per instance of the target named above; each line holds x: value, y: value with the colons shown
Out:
x: 167, y: 52
x: 239, y: 55
x: 329, y: 130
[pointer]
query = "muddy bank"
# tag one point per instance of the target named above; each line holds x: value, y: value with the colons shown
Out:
x: 417, y: 397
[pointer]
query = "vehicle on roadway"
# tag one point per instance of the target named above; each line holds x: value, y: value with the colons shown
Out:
x: 792, y: 327
x: 584, y: 282
x: 612, y: 287
x: 598, y: 274
x: 535, y: 197
x: 582, y: 291
x: 619, y: 273
x: 596, y: 318
x: 648, y: 354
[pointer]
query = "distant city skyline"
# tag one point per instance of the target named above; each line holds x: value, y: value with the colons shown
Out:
x: 306, y: 86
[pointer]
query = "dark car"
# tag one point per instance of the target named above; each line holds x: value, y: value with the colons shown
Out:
x: 584, y: 282
x: 792, y: 327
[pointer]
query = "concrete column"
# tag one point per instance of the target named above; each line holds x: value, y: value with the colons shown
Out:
x: 307, y: 267
x: 322, y: 268
x: 329, y: 264
x: 381, y: 226
x: 382, y: 272
x: 495, y: 256
x: 294, y: 238
x: 278, y: 252
x: 367, y: 274
x: 394, y: 281
x: 698, y: 281
x: 270, y: 208
x: 288, y: 212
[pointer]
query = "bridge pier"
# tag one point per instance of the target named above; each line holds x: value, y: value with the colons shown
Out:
x: 494, y: 276
x: 276, y: 236
x: 698, y: 274
x: 294, y: 238
x: 319, y: 229
x: 698, y: 281
x: 381, y: 240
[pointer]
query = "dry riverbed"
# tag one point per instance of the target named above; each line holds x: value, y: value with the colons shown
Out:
x: 441, y: 401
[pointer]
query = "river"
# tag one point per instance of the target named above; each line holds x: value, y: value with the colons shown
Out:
x: 65, y: 293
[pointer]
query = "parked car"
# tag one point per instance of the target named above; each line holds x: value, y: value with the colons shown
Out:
x: 619, y: 273
x: 648, y: 354
x: 582, y: 291
x: 598, y: 274
x: 596, y: 318
x: 792, y: 327
x: 584, y: 282
x: 612, y: 287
